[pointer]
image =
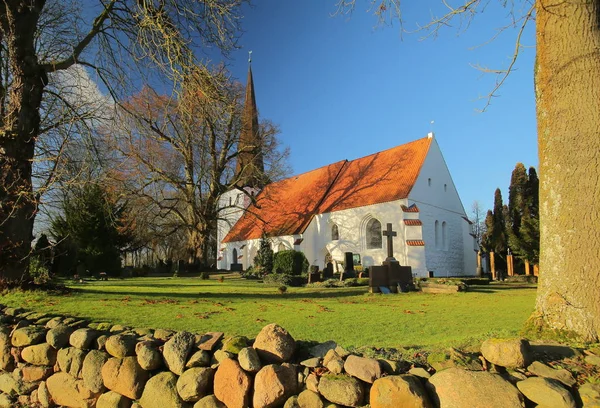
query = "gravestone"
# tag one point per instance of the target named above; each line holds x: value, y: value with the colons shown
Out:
x: 328, y: 271
x: 314, y: 277
x: 390, y: 243
x: 390, y: 274
x: 348, y: 266
x: 378, y: 276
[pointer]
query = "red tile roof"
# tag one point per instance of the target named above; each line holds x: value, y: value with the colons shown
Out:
x: 413, y: 208
x: 413, y: 222
x: 287, y: 207
x: 415, y: 242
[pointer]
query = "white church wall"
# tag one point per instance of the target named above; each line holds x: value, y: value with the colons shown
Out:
x: 470, y: 251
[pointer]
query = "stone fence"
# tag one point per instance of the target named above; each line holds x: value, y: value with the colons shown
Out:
x: 48, y: 361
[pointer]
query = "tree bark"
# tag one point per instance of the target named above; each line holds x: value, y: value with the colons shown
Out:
x: 567, y: 81
x: 18, y: 131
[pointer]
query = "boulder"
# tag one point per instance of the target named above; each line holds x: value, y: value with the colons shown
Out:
x: 312, y: 382
x: 176, y: 351
x: 91, y: 371
x: 399, y: 391
x: 366, y: 369
x: 458, y: 388
x: 195, y: 383
x: 121, y: 345
x: 221, y: 355
x: 6, y: 401
x: 273, y: 385
x: 232, y: 385
x: 70, y: 360
x: 55, y: 321
x: 200, y: 358
x: 83, y: 338
x: 66, y: 390
x: 6, y: 359
x: 274, y: 344
x: 509, y: 353
x: 333, y: 362
x: 321, y: 349
x: 112, y: 399
x: 419, y: 372
x: 210, y: 401
x: 58, y: 336
x: 40, y: 354
x: 161, y: 392
x: 546, y: 392
x: 148, y: 357
x: 249, y: 360
x: 292, y: 402
x: 235, y: 344
x: 590, y: 395
x: 43, y: 396
x: 310, y: 399
x: 542, y: 370
x: 311, y: 362
x: 125, y: 376
x: 99, y: 342
x: 32, y: 373
x: 27, y: 336
x: 162, y: 334
x: 453, y: 358
x: 592, y: 359
x: 342, y: 389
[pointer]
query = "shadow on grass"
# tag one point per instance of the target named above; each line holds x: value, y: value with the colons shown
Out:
x: 499, y: 287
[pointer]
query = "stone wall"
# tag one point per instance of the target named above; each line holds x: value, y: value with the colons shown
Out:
x: 50, y: 361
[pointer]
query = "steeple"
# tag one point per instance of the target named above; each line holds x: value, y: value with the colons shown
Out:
x: 250, y: 167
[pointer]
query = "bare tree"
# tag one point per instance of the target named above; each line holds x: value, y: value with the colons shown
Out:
x: 124, y: 42
x: 478, y: 220
x: 567, y: 80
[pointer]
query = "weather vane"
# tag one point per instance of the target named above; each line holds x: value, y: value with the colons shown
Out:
x: 249, y: 56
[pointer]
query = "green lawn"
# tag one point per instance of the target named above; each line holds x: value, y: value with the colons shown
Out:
x: 350, y: 316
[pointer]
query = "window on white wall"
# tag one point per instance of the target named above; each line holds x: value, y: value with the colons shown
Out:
x: 373, y: 234
x: 429, y: 182
x: 445, y: 187
x: 444, y: 236
x: 335, y: 233
x: 436, y: 232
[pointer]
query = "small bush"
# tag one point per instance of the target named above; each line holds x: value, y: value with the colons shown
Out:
x: 290, y: 262
x: 277, y: 279
x: 282, y: 289
x: 38, y: 271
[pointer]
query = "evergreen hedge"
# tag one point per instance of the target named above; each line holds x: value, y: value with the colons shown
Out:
x: 290, y: 262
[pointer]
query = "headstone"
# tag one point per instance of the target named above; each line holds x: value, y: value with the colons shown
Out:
x: 348, y: 266
x: 378, y: 276
x: 390, y: 243
x: 328, y: 271
x: 314, y: 277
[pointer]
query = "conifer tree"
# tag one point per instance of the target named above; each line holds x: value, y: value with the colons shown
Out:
x: 264, y: 257
x: 516, y: 204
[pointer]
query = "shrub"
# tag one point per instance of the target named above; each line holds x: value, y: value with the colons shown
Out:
x: 282, y: 289
x: 290, y: 262
x: 263, y: 260
x: 277, y: 279
x: 39, y: 271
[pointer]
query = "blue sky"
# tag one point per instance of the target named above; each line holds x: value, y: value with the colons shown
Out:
x: 342, y: 87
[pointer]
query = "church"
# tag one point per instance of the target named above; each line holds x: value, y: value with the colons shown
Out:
x: 346, y: 207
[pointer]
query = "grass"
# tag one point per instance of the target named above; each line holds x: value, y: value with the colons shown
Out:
x: 350, y: 316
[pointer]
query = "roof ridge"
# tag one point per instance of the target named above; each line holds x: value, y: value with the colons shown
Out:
x: 390, y: 148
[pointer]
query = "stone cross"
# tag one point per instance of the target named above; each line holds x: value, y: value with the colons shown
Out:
x: 390, y: 244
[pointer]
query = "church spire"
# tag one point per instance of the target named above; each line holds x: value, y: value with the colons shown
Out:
x: 250, y: 168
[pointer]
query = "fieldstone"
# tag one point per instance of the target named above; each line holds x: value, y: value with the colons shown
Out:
x: 342, y: 389
x: 55, y: 321
x: 342, y: 352
x: 143, y: 331
x: 13, y: 311
x: 176, y: 351
x: 273, y: 385
x: 419, y: 372
x: 249, y: 360
x: 69, y: 391
x: 208, y: 341
x: 590, y: 395
x: 391, y: 367
x: 125, y: 376
x: 546, y: 392
x: 112, y: 399
x: 292, y: 402
x: 70, y: 360
x: 274, y: 344
x: 32, y: 373
x: 235, y: 344
x: 8, y: 384
x: 103, y: 326
x: 117, y: 328
x: 312, y: 382
x: 43, y: 395
x: 148, y: 356
x: 83, y: 338
x: 40, y: 354
x: 232, y: 384
x: 366, y: 369
x: 76, y: 324
x: 399, y: 391
x: 333, y: 362
x: 58, y: 336
x: 161, y: 392
x: 195, y: 383
x: 200, y: 358
x: 453, y: 358
x: 321, y: 349
x: 162, y: 334
x: 121, y: 345
x: 312, y: 362
x: 542, y: 370
x: 592, y: 359
x: 91, y: 371
x: 210, y: 401
x: 309, y: 399
x: 26, y: 336
x: 6, y: 401
x: 221, y: 355
x: 510, y: 353
x: 458, y: 388
x: 6, y: 358
x: 100, y: 342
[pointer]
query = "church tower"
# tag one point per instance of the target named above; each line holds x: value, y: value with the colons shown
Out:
x: 250, y: 170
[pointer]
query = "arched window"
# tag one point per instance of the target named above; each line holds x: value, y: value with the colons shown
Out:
x: 437, y: 234
x: 281, y: 247
x: 235, y: 256
x: 444, y: 236
x: 335, y: 233
x: 373, y: 234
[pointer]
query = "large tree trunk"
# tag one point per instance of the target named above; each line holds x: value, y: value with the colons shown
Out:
x: 567, y: 81
x: 18, y: 131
